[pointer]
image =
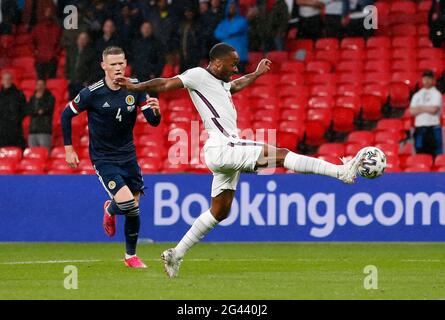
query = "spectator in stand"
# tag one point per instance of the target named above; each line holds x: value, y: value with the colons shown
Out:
x: 355, y: 22
x: 190, y: 41
x: 257, y: 24
x: 147, y: 56
x: 209, y: 20
x: 310, y: 24
x: 336, y: 18
x: 109, y: 38
x: 9, y: 16
x: 79, y: 59
x: 233, y: 30
x: 426, y: 106
x: 34, y: 12
x: 164, y: 24
x: 127, y: 26
x: 277, y: 25
x: 436, y: 21
x: 12, y: 110
x: 40, y: 108
x: 46, y: 44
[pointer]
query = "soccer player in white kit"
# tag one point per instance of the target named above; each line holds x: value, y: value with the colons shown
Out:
x: 227, y: 155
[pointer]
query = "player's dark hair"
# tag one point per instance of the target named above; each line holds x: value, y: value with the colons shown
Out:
x: 113, y: 50
x: 220, y: 50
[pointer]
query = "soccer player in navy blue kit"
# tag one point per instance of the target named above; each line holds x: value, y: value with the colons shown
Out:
x: 112, y: 112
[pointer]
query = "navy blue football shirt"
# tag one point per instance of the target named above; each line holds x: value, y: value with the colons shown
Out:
x: 111, y: 119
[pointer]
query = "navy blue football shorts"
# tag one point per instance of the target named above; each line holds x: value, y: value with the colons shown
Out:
x: 114, y: 176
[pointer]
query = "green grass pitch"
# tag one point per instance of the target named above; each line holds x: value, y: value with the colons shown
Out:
x: 226, y: 271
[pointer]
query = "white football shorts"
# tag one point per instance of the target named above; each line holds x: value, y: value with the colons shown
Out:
x: 228, y: 160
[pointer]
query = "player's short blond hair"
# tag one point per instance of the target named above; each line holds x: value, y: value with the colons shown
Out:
x: 113, y: 50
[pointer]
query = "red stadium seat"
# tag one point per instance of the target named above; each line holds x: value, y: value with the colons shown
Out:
x: 347, y: 55
x: 289, y: 92
x: 266, y: 104
x: 361, y: 137
x: 294, y: 103
x: 266, y: 115
x: 31, y: 166
x: 315, y: 132
x: 377, y: 90
x: 381, y: 78
x: 343, y: 121
x: 417, y: 169
x: 352, y: 149
x: 326, y: 79
x: 409, y: 78
x: 277, y: 56
x: 36, y: 153
x: 421, y: 160
x: 378, y: 42
x: 350, y: 78
x: 332, y: 149
x: 390, y: 125
x: 390, y: 149
x: 319, y: 67
x: 331, y: 56
x: 331, y: 159
x: 11, y: 153
x: 287, y: 140
x: 431, y: 64
x: 267, y: 80
x: 405, y: 7
x: 150, y: 165
x: 430, y: 53
x: 371, y: 107
x: 352, y: 103
x: 327, y: 44
x: 60, y: 171
x: 293, y: 114
x: 404, y: 66
x: 322, y: 115
x: 292, y: 67
x: 399, y: 95
x: 439, y: 161
x: 291, y: 79
x: 56, y: 164
x: 262, y: 92
x: 424, y: 41
x: 352, y: 43
x: 403, y: 29
x: 387, y: 137
x: 7, y: 166
x: 377, y: 66
x: 349, y: 90
x: 378, y: 54
x: 323, y: 91
x: 349, y: 66
x: 58, y: 153
x: 296, y: 127
x: 403, y: 42
x: 321, y: 102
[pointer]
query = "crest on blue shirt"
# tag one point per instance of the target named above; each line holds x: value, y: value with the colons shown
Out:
x: 129, y: 99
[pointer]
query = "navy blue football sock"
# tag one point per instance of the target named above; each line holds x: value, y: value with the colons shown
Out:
x: 132, y: 224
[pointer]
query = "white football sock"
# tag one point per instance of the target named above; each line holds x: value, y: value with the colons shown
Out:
x: 304, y: 164
x: 197, y: 231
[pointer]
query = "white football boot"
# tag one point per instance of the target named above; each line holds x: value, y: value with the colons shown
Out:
x: 171, y: 262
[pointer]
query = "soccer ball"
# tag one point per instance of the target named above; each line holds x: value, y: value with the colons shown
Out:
x: 374, y: 163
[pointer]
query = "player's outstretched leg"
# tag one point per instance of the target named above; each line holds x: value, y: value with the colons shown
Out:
x: 279, y: 157
x: 203, y: 225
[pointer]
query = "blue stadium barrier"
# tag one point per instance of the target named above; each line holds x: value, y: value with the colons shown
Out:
x: 395, y: 207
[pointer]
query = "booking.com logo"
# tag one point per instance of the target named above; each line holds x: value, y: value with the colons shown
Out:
x: 320, y: 210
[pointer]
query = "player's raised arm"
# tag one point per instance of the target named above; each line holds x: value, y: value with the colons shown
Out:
x: 153, y: 85
x: 240, y: 83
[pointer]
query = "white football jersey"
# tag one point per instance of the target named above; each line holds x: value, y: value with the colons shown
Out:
x: 213, y: 100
